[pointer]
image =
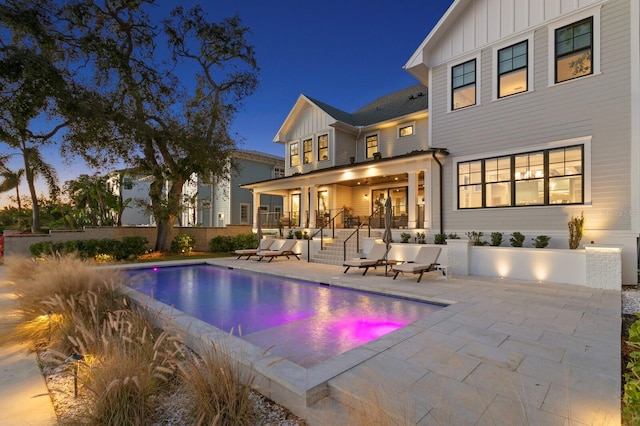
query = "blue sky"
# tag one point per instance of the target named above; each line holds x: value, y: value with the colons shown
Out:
x: 345, y: 53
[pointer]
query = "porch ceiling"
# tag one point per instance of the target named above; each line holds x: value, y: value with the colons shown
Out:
x: 378, y: 180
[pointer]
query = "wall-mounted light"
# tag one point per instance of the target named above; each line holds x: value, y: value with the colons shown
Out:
x: 366, y: 197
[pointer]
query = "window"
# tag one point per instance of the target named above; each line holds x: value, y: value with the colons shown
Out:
x: 294, y: 157
x: 463, y: 85
x: 513, y: 69
x: 323, y: 147
x: 404, y: 131
x: 545, y: 177
x: 307, y: 151
x: 244, y: 213
x: 372, y: 145
x: 574, y: 50
x: 278, y: 172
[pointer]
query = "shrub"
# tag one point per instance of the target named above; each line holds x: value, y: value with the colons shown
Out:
x: 46, y: 248
x: 405, y: 237
x: 183, y: 243
x: 298, y: 234
x: 541, y: 241
x: 421, y: 238
x: 244, y: 241
x: 105, y: 249
x: 453, y: 236
x: 221, y: 244
x: 496, y: 239
x: 476, y: 238
x: 290, y: 235
x: 440, y: 239
x: 576, y: 230
x: 131, y: 247
x: 517, y: 239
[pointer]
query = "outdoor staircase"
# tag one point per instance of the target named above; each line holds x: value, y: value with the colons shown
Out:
x: 332, y: 251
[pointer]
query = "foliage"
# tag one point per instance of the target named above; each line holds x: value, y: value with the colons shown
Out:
x: 92, y: 201
x: 496, y: 239
x: 226, y: 244
x: 290, y: 234
x: 631, y: 396
x: 405, y: 237
x: 576, y: 231
x: 440, y: 239
x: 127, y: 248
x: 420, y: 236
x: 183, y: 243
x: 453, y: 236
x: 541, y: 241
x: 298, y: 234
x: 476, y: 238
x: 517, y: 239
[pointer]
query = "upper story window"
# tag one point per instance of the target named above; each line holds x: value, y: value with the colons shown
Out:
x: 513, y: 69
x: 574, y: 50
x: 278, y: 172
x: 294, y: 156
x: 372, y: 145
x: 404, y: 131
x: 323, y: 147
x: 545, y: 177
x: 463, y: 85
x: 307, y: 151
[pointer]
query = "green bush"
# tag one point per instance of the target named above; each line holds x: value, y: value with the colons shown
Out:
x: 128, y: 248
x: 183, y: 243
x: 453, y: 236
x: 476, y: 238
x: 517, y: 239
x: 131, y: 247
x: 245, y: 241
x: 541, y: 241
x: 440, y: 239
x: 46, y: 248
x: 496, y: 239
x: 221, y: 244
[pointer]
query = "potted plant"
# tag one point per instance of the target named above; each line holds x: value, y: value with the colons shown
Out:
x: 405, y: 237
x: 421, y: 238
x: 440, y: 239
x: 576, y: 229
x: 476, y: 238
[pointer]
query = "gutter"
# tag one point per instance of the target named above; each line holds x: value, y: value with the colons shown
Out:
x: 434, y: 151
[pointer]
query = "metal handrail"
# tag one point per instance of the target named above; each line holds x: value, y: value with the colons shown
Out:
x: 357, y: 233
x: 332, y: 221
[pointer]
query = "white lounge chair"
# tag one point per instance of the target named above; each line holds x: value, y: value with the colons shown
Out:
x: 426, y: 260
x: 286, y: 249
x: 375, y: 257
x: 265, y: 244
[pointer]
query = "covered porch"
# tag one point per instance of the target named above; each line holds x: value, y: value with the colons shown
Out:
x: 353, y: 196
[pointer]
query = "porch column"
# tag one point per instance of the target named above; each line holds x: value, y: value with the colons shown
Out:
x: 304, y: 206
x: 256, y: 210
x: 313, y: 195
x: 428, y: 197
x: 412, y: 200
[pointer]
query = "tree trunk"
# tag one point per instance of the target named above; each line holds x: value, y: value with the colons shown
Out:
x: 35, y: 208
x: 166, y: 215
x: 163, y: 236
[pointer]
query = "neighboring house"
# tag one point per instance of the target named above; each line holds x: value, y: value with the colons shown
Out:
x: 225, y: 202
x: 231, y: 204
x: 534, y: 117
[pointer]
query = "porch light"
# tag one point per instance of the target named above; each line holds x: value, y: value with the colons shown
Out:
x: 366, y: 197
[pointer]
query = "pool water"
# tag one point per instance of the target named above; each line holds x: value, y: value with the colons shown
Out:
x: 304, y: 322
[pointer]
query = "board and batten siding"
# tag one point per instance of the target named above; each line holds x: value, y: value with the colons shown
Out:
x: 484, y: 22
x: 596, y: 106
x: 310, y: 122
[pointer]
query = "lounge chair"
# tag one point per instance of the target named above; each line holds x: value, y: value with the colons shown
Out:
x: 265, y: 244
x: 286, y: 249
x: 425, y: 261
x: 375, y: 257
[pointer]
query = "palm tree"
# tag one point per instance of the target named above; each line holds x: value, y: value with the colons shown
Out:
x: 11, y: 180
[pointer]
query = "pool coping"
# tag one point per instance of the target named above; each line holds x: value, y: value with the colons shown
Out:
x: 272, y: 373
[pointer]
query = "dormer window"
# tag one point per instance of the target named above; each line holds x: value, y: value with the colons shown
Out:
x: 372, y: 145
x: 406, y: 130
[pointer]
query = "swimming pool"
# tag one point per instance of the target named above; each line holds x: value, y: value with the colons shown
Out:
x: 304, y: 322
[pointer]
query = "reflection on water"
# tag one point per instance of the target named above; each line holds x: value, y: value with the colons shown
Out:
x: 308, y: 323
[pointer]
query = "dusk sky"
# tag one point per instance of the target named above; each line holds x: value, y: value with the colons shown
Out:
x: 345, y: 53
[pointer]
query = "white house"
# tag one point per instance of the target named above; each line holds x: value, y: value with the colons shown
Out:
x: 527, y: 113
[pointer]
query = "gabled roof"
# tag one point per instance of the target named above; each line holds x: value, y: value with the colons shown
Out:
x: 394, y: 105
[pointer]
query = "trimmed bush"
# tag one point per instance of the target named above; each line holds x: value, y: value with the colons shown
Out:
x: 496, y: 239
x: 183, y: 243
x: 541, y: 241
x: 440, y: 239
x: 221, y: 244
x: 128, y: 248
x: 517, y: 239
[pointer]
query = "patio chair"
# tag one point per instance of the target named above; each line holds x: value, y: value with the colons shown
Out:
x: 426, y: 260
x: 265, y: 244
x: 286, y: 250
x: 375, y: 257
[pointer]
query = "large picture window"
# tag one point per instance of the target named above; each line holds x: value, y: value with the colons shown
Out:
x: 372, y: 145
x: 307, y: 151
x: 513, y: 69
x: 574, y: 50
x: 546, y: 177
x: 463, y: 85
x: 294, y: 156
x: 323, y: 147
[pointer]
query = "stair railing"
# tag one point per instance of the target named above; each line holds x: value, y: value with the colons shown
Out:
x: 357, y: 234
x: 331, y: 222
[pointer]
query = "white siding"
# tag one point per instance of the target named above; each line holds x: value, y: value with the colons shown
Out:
x: 487, y: 21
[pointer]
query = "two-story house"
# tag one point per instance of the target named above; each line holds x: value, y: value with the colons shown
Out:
x: 527, y: 115
x: 345, y: 165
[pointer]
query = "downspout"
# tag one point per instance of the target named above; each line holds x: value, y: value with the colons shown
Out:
x: 441, y: 185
